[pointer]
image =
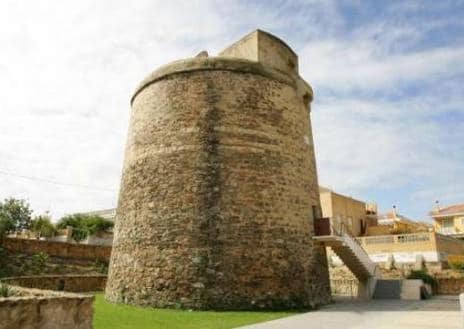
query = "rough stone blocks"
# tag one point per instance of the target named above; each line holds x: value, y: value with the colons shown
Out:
x: 218, y: 192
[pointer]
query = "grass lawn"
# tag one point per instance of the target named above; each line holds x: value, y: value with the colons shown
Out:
x: 110, y: 316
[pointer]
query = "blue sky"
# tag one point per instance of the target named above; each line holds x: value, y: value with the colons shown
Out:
x: 388, y: 76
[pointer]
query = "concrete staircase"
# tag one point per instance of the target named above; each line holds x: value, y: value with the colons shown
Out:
x: 365, y: 270
x: 352, y: 255
x: 356, y: 259
x: 400, y: 289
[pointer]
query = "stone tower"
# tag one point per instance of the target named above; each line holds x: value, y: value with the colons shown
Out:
x: 219, y: 187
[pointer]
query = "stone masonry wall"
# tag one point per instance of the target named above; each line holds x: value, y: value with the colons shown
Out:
x: 450, y: 286
x: 217, y: 195
x: 59, y: 249
x: 41, y: 309
x: 70, y: 283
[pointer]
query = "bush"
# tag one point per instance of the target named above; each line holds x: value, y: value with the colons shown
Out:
x: 3, y: 256
x: 43, y: 226
x: 100, y: 267
x: 5, y: 291
x: 424, y: 276
x: 456, y: 262
x: 6, y: 226
x: 39, y: 262
x: 4, y: 271
x: 84, y: 225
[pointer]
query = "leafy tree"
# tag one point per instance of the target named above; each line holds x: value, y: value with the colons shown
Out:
x: 15, y: 214
x: 43, y: 226
x: 5, y: 227
x: 84, y: 225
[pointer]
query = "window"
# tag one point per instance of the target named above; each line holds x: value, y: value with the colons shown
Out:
x: 447, y: 223
x: 447, y: 226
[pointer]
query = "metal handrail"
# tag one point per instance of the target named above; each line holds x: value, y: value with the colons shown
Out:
x: 345, y: 229
x: 355, y: 245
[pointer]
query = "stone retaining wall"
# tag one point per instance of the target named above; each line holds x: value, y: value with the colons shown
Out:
x: 41, y: 309
x: 59, y: 249
x: 70, y: 283
x: 450, y: 286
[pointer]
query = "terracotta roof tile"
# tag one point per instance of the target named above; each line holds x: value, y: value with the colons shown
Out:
x: 454, y: 209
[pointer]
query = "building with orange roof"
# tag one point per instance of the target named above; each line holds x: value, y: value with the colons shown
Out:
x: 449, y: 220
x: 394, y: 223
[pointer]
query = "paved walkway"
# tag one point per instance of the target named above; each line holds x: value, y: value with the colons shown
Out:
x: 441, y: 312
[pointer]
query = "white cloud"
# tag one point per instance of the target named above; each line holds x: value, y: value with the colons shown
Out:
x: 360, y: 64
x: 388, y: 113
x: 366, y: 145
x: 67, y: 71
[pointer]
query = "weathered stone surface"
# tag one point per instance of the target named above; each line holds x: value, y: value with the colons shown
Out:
x: 218, y: 192
x: 41, y: 309
x: 70, y: 283
x: 59, y: 249
x: 449, y: 286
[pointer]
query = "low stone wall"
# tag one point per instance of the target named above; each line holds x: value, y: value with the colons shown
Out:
x: 59, y: 249
x: 41, y: 309
x: 450, y: 286
x: 70, y: 283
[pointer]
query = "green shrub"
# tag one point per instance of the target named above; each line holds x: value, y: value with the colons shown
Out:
x: 43, y: 226
x: 84, y: 225
x: 38, y: 262
x: 100, y: 267
x: 5, y: 291
x: 456, y: 265
x: 5, y: 226
x: 456, y: 262
x: 4, y: 269
x: 424, y: 276
x: 3, y: 257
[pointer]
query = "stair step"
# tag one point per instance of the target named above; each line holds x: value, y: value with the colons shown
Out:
x: 359, y: 265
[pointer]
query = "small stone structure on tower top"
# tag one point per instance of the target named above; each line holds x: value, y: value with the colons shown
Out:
x: 219, y: 188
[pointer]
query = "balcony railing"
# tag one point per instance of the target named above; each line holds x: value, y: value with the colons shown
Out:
x: 398, y: 238
x: 447, y: 230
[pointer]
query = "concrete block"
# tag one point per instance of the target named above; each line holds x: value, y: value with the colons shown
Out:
x: 411, y: 289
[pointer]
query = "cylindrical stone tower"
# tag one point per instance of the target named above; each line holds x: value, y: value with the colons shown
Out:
x: 219, y: 187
